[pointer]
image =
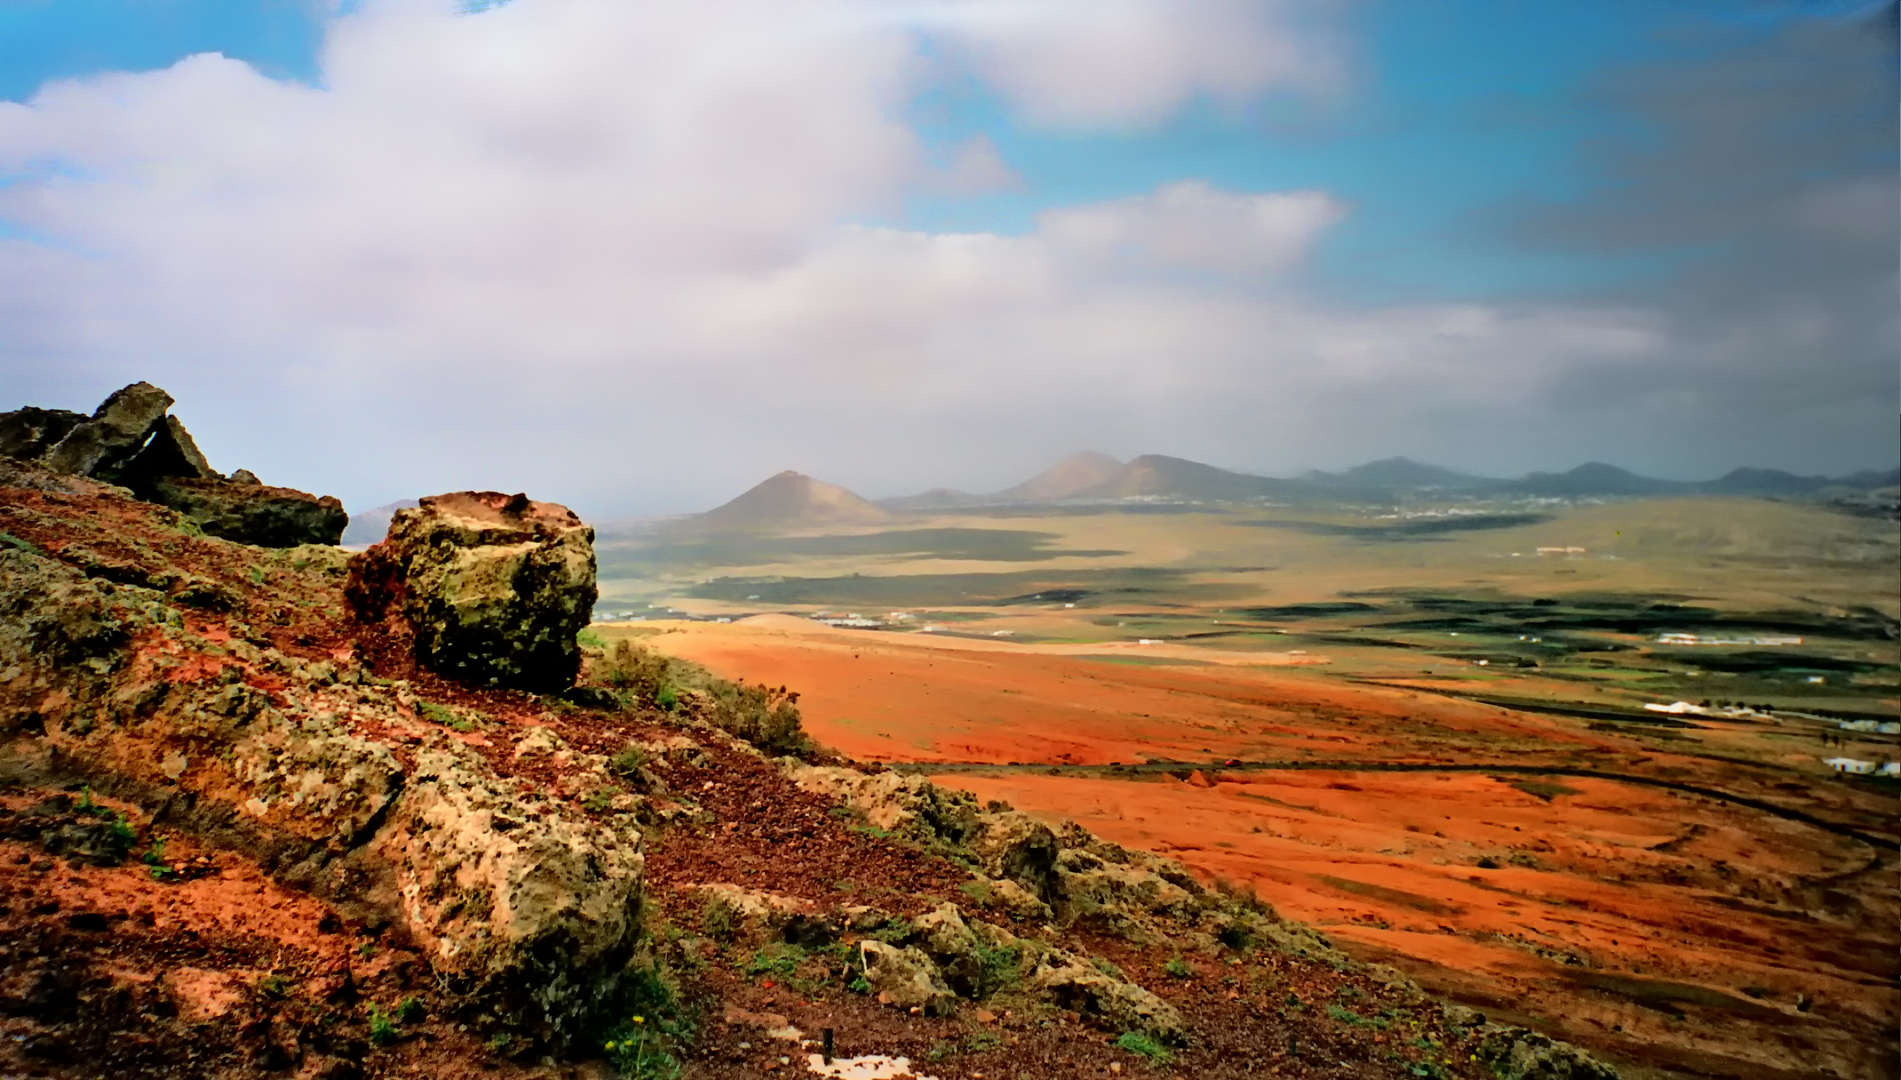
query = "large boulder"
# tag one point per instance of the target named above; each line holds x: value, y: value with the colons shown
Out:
x: 117, y: 431
x: 1106, y: 999
x: 251, y: 513
x: 492, y: 588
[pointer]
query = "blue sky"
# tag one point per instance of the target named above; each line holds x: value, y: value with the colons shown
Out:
x: 1511, y: 235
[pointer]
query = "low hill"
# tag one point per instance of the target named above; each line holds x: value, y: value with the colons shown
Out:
x: 789, y: 500
x: 1399, y: 473
x: 1158, y: 475
x: 1066, y: 479
x: 369, y: 526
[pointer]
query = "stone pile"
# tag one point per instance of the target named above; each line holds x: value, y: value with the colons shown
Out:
x: 491, y: 588
x: 132, y: 441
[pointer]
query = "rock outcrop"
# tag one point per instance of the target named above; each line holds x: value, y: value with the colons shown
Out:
x: 101, y: 446
x: 519, y: 902
x: 490, y: 588
x: 252, y: 513
x: 32, y: 431
x: 131, y: 440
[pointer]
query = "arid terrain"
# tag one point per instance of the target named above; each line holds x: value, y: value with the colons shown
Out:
x: 1362, y: 730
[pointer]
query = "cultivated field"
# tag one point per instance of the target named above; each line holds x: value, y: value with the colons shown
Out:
x: 1412, y: 729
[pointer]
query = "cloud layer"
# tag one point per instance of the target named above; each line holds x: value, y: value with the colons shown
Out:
x: 612, y: 253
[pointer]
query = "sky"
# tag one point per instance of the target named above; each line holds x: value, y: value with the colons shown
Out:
x: 636, y: 255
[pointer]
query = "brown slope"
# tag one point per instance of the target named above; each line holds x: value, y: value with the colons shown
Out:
x: 789, y: 500
x: 1069, y: 477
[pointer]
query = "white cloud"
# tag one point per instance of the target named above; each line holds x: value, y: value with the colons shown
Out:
x: 606, y: 251
x: 1191, y: 225
x: 1086, y: 62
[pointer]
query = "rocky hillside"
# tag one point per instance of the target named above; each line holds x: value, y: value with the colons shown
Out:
x: 252, y: 827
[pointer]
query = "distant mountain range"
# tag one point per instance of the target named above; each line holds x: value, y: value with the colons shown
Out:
x: 792, y: 499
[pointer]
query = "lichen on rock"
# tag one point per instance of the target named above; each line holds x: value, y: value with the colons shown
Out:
x: 490, y: 588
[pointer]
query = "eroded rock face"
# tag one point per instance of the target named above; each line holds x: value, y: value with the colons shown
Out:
x: 493, y: 588
x: 251, y: 513
x: 1116, y: 1004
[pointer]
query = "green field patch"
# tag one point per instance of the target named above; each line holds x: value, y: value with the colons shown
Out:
x: 1143, y: 661
x: 965, y: 590
x: 1416, y: 529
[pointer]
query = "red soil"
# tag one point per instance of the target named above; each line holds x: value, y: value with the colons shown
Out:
x: 1679, y: 932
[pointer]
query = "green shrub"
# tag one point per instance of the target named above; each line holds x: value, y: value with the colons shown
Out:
x: 1136, y: 1042
x: 1000, y: 968
x: 765, y: 717
x: 641, y: 670
x: 631, y: 759
x: 588, y: 639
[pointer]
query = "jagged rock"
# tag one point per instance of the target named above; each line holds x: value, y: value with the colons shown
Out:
x: 895, y: 802
x: 252, y: 514
x: 1105, y: 999
x: 170, y: 452
x: 538, y: 910
x: 116, y: 431
x: 493, y: 588
x: 30, y: 432
x: 245, y: 476
x: 906, y: 978
x: 1517, y: 1054
x: 1017, y: 901
x: 753, y: 915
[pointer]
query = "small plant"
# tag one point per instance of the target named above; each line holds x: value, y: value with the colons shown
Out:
x: 366, y: 950
x: 1141, y: 1044
x: 1000, y: 967
x: 893, y: 932
x: 7, y: 539
x: 601, y: 801
x: 1348, y: 1016
x: 409, y: 1010
x: 978, y: 891
x: 629, y: 760
x: 940, y: 1050
x: 717, y: 921
x: 1108, y: 967
x: 982, y: 1041
x: 775, y: 959
x: 642, y: 1046
x: 1178, y: 968
x: 859, y: 985
x: 257, y: 575
x: 499, y: 1042
x: 273, y: 986
x: 588, y: 639
x: 441, y: 714
x: 154, y: 858
x: 383, y: 1027
x: 667, y: 698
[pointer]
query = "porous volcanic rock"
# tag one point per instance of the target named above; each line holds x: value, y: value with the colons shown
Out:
x: 492, y: 588
x: 539, y: 912
x: 905, y: 977
x: 252, y: 513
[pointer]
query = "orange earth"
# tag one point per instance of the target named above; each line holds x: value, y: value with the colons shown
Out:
x: 1676, y: 933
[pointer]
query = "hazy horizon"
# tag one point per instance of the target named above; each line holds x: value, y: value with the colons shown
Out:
x: 637, y: 257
